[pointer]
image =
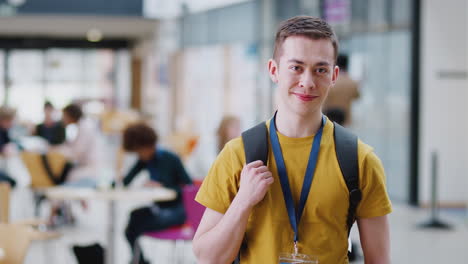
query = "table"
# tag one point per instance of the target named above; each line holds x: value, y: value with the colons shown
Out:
x: 158, y: 194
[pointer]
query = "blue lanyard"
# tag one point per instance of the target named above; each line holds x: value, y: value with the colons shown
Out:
x: 295, y: 216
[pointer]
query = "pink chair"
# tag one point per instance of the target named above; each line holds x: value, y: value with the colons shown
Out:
x: 185, y: 232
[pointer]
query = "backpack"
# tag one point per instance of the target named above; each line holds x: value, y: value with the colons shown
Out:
x: 256, y: 148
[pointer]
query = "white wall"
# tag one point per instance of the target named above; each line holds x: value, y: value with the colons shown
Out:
x: 444, y: 104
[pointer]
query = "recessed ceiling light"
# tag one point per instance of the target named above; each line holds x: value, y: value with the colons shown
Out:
x: 94, y: 35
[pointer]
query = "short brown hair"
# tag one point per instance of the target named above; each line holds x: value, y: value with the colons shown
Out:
x: 73, y: 111
x: 310, y: 27
x: 139, y: 135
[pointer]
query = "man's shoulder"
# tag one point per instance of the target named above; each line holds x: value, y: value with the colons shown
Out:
x: 166, y: 154
x: 367, y: 157
x: 364, y: 149
x: 234, y: 146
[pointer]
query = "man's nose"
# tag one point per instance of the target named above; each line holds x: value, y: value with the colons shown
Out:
x: 307, y: 81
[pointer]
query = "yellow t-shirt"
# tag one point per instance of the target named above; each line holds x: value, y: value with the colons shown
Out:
x: 322, y: 229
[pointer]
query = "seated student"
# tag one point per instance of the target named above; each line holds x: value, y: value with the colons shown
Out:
x: 84, y: 155
x: 7, y: 147
x: 83, y: 150
x: 165, y: 169
x: 51, y: 130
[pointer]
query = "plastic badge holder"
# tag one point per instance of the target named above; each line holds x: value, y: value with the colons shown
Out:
x: 285, y: 258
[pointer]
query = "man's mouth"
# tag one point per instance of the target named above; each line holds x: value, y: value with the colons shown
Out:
x: 305, y: 97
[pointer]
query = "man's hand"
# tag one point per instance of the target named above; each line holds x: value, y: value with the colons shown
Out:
x: 255, y: 182
x: 152, y: 184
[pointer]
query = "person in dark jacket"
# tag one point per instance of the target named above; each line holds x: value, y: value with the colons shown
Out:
x: 7, y: 147
x: 51, y: 130
x: 165, y: 169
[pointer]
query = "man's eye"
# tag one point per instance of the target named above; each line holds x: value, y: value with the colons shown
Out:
x: 295, y: 68
x: 322, y: 70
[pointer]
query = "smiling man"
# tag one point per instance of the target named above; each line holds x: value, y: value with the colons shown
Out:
x: 296, y: 205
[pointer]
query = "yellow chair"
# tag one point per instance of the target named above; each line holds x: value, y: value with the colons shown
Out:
x: 115, y: 121
x: 39, y: 176
x: 5, y: 190
x: 40, y: 179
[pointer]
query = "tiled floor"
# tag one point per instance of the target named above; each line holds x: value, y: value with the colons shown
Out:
x: 410, y: 244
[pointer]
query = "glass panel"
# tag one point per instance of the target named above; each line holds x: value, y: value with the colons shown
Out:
x: 2, y: 76
x: 28, y: 99
x: 401, y: 12
x: 377, y: 13
x: 26, y: 66
x: 381, y: 115
x: 359, y: 13
x: 58, y: 75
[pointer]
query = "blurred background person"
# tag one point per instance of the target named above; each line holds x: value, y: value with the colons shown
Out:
x: 341, y: 96
x: 7, y: 117
x: 7, y: 147
x: 51, y: 129
x: 165, y: 169
x: 228, y: 129
x: 199, y: 162
x: 82, y: 149
x: 83, y: 155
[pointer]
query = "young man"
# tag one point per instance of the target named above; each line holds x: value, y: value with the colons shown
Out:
x: 245, y: 202
x: 51, y: 130
x: 165, y: 169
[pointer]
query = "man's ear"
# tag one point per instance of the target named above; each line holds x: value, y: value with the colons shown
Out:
x: 336, y: 72
x: 273, y: 70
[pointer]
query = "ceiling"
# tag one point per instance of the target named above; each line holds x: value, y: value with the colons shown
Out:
x: 77, y: 26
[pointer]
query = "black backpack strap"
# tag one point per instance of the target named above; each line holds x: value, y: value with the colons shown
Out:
x: 256, y: 143
x: 255, y: 148
x: 63, y: 175
x: 346, y: 146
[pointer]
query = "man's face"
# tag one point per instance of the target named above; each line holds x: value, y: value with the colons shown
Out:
x: 304, y: 73
x: 48, y: 112
x: 67, y: 120
x: 6, y: 123
x: 145, y: 153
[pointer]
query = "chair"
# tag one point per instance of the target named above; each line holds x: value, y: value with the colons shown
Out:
x: 40, y: 178
x: 15, y: 240
x: 114, y: 121
x: 4, y: 202
x: 185, y: 232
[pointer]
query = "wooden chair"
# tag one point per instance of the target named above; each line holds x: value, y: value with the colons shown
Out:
x: 4, y: 202
x: 40, y: 179
x: 15, y: 240
x: 39, y: 176
x: 115, y: 121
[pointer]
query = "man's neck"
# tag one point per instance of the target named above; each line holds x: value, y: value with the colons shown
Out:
x: 297, y: 126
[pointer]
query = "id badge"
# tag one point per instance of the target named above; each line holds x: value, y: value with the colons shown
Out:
x: 296, y: 258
